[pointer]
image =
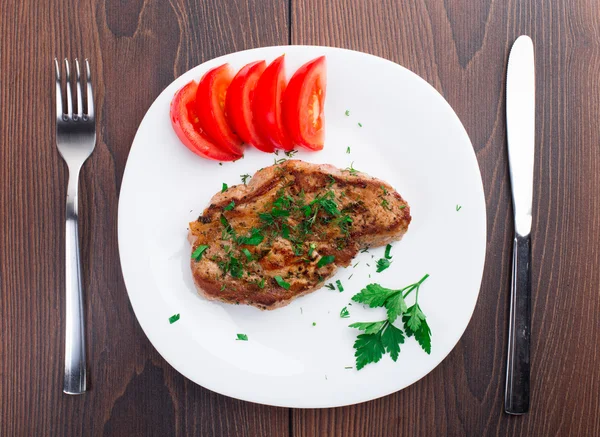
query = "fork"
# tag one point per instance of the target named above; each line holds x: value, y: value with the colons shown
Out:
x: 75, y: 139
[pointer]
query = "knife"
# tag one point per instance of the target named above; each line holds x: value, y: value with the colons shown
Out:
x: 520, y: 126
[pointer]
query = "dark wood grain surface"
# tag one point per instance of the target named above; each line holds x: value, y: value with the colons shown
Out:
x: 137, y: 47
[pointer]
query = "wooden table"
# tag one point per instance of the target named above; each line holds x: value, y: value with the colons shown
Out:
x: 137, y: 48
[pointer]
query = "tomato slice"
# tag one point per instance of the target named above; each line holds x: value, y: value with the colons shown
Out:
x: 238, y: 105
x: 266, y: 107
x: 210, y: 104
x: 303, y: 105
x: 186, y: 125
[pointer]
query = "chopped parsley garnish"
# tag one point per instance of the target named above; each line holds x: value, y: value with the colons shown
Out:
x: 245, y: 178
x: 388, y: 248
x: 174, y: 318
x: 197, y: 254
x: 254, y: 239
x: 339, y: 285
x: 351, y: 169
x: 327, y: 259
x: 402, y: 206
x: 290, y: 153
x: 365, y: 250
x: 382, y: 336
x: 348, y: 150
x: 311, y: 249
x: 281, y: 282
x: 359, y: 124
x: 382, y: 264
x: 458, y: 207
x: 229, y: 206
x: 385, y: 204
x: 354, y: 266
x: 344, y: 314
x: 224, y: 188
x: 330, y: 286
x: 314, y: 323
x: 347, y: 113
x: 279, y: 161
x: 242, y: 337
x: 350, y: 277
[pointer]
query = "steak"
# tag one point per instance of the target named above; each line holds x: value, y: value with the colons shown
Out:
x: 288, y: 230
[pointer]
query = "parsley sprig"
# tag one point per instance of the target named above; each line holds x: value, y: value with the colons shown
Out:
x: 382, y: 336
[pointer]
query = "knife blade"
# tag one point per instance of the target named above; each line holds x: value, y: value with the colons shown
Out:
x: 520, y: 125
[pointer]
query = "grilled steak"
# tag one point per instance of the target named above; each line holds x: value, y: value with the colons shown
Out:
x: 287, y: 231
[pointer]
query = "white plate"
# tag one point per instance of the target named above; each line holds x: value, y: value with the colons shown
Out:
x: 409, y: 137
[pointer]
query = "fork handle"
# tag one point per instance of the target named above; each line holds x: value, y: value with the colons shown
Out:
x: 516, y: 397
x: 75, y: 365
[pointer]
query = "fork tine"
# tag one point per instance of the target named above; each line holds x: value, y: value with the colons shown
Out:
x: 69, y: 96
x: 90, y: 94
x: 59, y: 101
x: 78, y: 92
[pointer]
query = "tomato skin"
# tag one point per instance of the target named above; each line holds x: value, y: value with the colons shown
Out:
x: 303, y: 105
x: 267, y: 105
x: 238, y: 106
x: 210, y: 104
x: 186, y: 126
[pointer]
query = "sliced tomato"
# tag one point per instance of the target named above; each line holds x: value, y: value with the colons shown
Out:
x: 238, y: 106
x: 266, y: 107
x: 303, y: 105
x: 210, y: 104
x: 187, y: 127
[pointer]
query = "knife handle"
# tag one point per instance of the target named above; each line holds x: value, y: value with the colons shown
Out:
x: 516, y: 397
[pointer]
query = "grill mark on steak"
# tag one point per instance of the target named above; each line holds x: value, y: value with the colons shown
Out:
x: 379, y: 215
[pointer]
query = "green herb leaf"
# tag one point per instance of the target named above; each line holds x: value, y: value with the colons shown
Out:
x: 388, y: 248
x: 174, y: 318
x: 382, y: 264
x: 327, y: 259
x: 359, y: 125
x: 254, y: 239
x: 369, y: 349
x: 282, y: 283
x: 330, y: 286
x: 344, y: 314
x: 314, y: 323
x: 197, y: 254
x: 348, y: 150
x: 224, y: 188
x: 290, y: 153
x: 242, y: 337
x: 373, y: 295
x: 247, y: 253
x: 311, y: 249
x: 414, y: 317
x: 230, y: 206
x: 402, y: 206
x: 339, y: 285
x: 396, y: 306
x: 369, y: 327
x: 458, y: 207
x: 347, y: 113
x: 245, y: 178
x: 422, y: 332
x: 351, y: 169
x: 391, y: 339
